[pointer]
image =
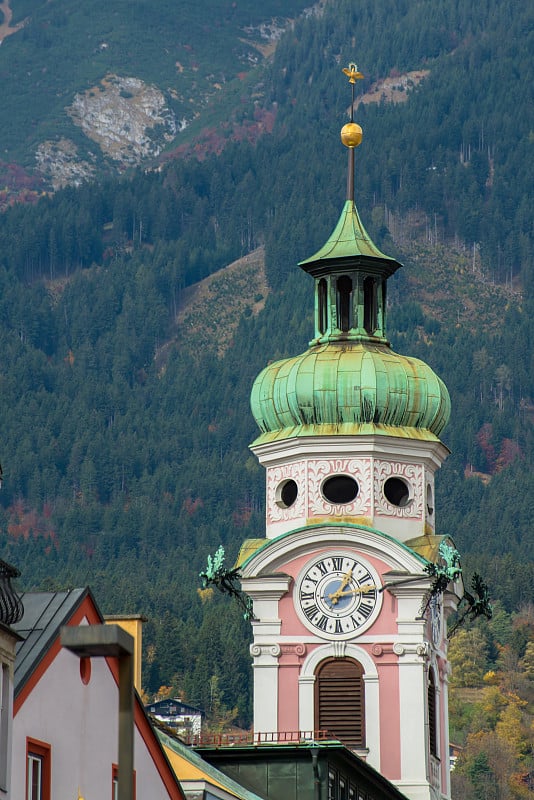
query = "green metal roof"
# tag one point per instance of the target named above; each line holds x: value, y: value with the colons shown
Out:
x: 350, y: 383
x: 349, y: 239
x: 210, y: 773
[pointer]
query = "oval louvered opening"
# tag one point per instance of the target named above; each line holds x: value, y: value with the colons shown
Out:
x: 340, y: 702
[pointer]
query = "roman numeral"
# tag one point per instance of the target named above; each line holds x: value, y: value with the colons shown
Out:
x: 307, y: 596
x: 321, y: 566
x: 322, y: 622
x: 338, y: 563
x: 338, y: 628
x: 311, y: 611
x: 365, y: 610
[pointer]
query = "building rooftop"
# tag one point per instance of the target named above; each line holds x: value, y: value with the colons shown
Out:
x: 44, y: 614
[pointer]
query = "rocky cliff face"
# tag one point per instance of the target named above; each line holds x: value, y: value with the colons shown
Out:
x: 127, y: 119
x: 61, y: 164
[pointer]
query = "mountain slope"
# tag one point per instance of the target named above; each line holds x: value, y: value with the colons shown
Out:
x: 126, y: 475
x: 62, y: 57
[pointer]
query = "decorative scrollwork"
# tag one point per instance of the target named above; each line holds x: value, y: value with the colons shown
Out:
x: 423, y: 649
x: 225, y: 581
x: 479, y: 606
x: 273, y: 650
x: 450, y: 570
x: 412, y: 474
x: 11, y: 608
x: 275, y: 475
x: 319, y: 470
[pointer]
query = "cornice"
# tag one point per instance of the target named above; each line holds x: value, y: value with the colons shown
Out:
x: 432, y: 452
x: 305, y: 541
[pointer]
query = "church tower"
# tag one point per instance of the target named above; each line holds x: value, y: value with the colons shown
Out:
x: 349, y: 636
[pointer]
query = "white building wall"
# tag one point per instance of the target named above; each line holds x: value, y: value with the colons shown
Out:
x: 7, y: 660
x: 80, y: 723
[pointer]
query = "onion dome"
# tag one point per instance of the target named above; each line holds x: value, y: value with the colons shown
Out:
x: 357, y: 387
x: 350, y: 381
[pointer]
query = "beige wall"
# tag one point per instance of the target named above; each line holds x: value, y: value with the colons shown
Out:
x: 132, y: 624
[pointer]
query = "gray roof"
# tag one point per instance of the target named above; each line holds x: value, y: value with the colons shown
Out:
x: 44, y: 614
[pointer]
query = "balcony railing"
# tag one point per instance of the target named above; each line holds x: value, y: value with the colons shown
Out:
x: 256, y: 739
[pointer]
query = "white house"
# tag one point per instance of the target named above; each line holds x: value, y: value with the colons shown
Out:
x: 65, y: 724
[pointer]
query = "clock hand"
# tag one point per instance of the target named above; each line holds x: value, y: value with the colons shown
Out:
x: 366, y: 587
x: 334, y: 597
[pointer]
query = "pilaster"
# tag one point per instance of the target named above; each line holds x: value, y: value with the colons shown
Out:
x: 413, y: 652
x: 265, y: 686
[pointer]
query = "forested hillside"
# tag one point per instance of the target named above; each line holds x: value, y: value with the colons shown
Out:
x: 59, y: 61
x: 125, y: 450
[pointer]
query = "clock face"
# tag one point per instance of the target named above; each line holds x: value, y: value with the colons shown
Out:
x: 338, y: 595
x: 435, y: 618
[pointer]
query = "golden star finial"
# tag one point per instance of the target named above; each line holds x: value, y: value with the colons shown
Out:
x: 352, y: 72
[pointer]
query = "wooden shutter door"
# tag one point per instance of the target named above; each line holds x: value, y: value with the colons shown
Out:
x: 339, y: 700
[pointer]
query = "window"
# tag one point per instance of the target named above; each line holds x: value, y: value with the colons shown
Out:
x: 397, y: 492
x: 115, y: 782
x: 322, y: 306
x: 340, y: 701
x: 429, y: 500
x: 332, y: 788
x: 370, y: 310
x: 339, y: 787
x: 5, y: 719
x: 286, y: 493
x: 432, y: 715
x: 38, y: 774
x: 344, y: 303
x: 340, y: 489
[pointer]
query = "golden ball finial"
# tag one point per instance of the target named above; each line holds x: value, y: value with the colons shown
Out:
x: 351, y: 134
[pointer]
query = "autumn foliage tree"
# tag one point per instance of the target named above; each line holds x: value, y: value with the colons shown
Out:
x: 496, y: 720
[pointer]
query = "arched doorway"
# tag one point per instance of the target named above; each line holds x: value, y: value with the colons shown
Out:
x: 340, y: 700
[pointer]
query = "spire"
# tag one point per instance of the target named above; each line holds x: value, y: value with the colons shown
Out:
x: 350, y: 271
x: 349, y: 381
x: 351, y: 133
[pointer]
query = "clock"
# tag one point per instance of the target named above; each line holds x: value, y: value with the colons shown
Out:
x: 337, y: 595
x: 435, y: 617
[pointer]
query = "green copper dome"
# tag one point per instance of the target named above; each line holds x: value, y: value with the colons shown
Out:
x: 343, y: 385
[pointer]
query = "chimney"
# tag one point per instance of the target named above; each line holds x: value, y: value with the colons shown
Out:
x: 132, y: 624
